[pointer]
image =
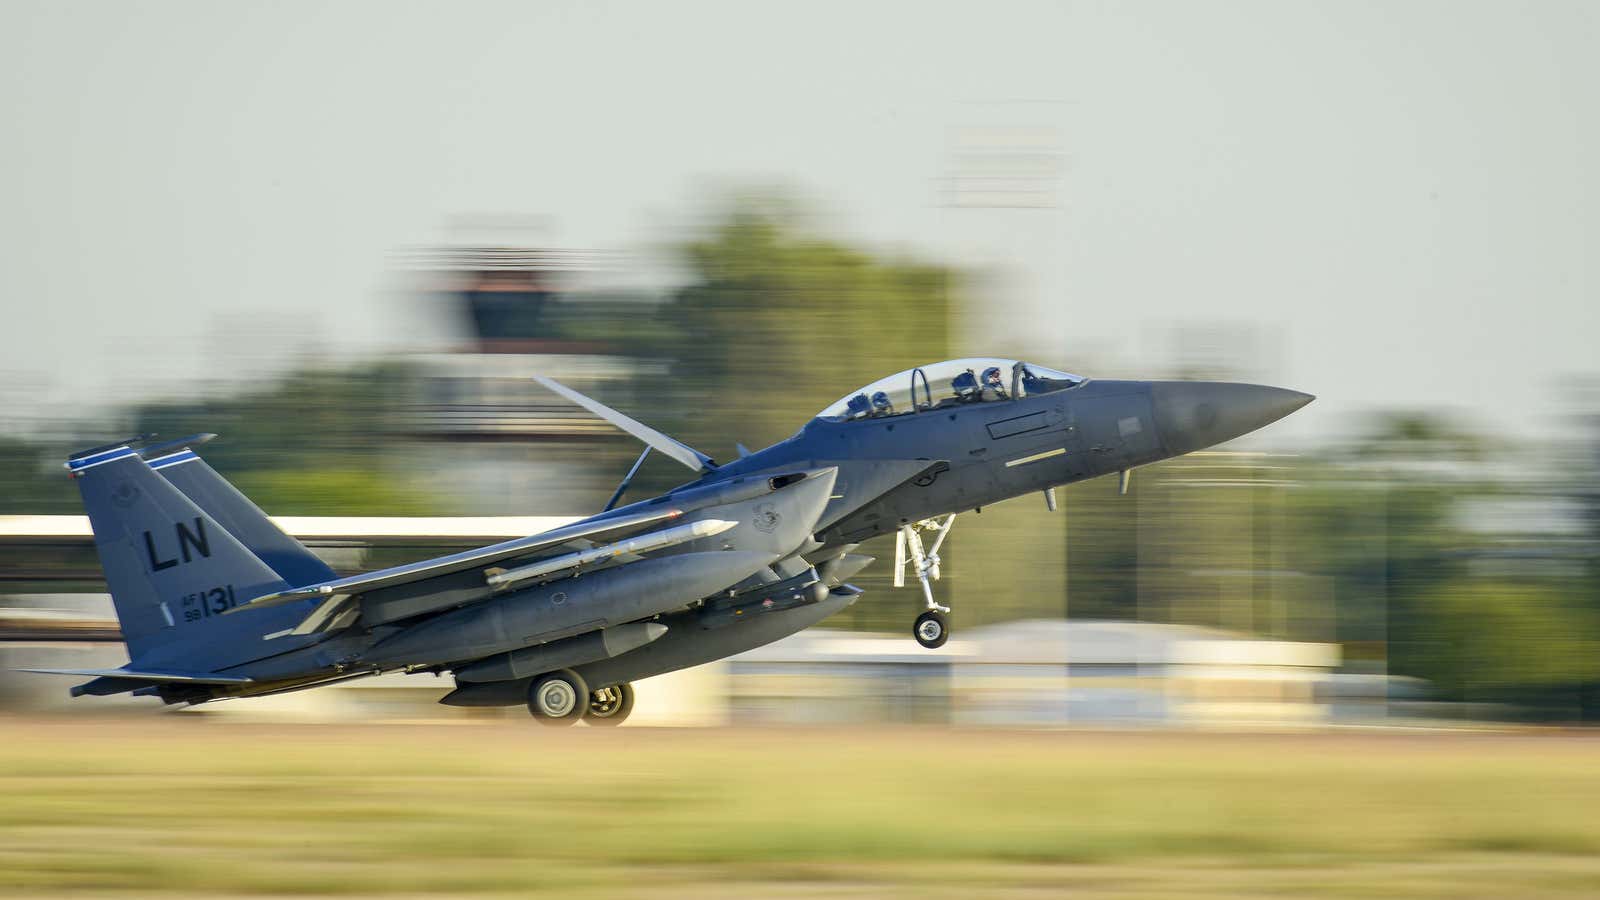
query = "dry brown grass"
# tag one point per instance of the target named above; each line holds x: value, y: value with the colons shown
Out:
x: 181, y: 805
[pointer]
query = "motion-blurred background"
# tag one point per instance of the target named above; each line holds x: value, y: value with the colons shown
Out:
x: 344, y: 236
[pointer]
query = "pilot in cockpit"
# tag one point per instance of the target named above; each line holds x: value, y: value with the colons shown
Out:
x: 993, y: 387
x: 881, y: 405
x: 965, y: 386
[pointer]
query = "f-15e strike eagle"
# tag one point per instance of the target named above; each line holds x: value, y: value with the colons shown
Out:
x: 216, y: 602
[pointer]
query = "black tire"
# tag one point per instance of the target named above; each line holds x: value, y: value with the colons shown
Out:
x: 612, y: 710
x: 559, y: 698
x: 931, y: 629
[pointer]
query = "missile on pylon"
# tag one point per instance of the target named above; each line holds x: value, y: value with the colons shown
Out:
x: 644, y: 543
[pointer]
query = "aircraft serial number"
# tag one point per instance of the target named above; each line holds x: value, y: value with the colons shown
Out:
x: 207, y: 603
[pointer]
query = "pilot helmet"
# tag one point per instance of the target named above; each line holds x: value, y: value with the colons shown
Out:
x: 991, y: 378
x: 858, y: 405
x: 965, y: 385
x: 880, y: 402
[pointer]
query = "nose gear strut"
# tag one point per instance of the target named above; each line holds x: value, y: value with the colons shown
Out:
x: 931, y: 629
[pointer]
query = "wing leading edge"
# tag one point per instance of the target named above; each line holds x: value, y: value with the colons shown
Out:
x: 457, y: 562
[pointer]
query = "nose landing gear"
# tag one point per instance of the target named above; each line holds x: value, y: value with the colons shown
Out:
x: 931, y: 629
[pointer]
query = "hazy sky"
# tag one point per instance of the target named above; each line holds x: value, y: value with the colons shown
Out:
x: 1399, y: 200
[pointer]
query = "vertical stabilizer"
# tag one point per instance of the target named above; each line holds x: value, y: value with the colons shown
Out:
x: 187, y: 472
x: 173, y: 569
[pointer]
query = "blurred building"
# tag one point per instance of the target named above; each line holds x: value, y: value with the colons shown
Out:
x: 1036, y: 673
x: 483, y: 431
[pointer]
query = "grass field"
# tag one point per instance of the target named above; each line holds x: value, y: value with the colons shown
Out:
x: 181, y: 805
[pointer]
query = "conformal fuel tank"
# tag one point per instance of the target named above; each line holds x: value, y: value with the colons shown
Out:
x: 567, y: 607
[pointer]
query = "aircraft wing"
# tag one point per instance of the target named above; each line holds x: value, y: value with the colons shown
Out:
x: 467, y: 559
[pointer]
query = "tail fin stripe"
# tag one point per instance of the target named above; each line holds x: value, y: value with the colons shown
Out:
x: 182, y: 456
x: 89, y: 462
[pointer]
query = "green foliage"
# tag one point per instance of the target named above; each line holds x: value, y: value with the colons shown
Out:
x: 332, y: 492
x: 310, y: 444
x: 776, y: 323
x: 1483, y: 639
x: 1103, y: 547
x: 311, y: 419
x: 1411, y: 436
x: 1360, y: 544
x: 33, y: 482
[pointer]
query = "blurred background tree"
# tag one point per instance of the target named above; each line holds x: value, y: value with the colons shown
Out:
x: 309, y: 444
x: 33, y: 482
x: 1369, y: 543
x: 775, y: 322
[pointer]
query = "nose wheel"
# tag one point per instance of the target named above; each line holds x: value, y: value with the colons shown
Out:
x: 931, y: 629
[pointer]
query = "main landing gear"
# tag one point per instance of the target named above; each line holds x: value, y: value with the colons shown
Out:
x: 932, y: 628
x: 559, y: 698
x: 562, y: 698
x: 610, y: 705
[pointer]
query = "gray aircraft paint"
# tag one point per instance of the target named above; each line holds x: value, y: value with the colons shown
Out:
x: 799, y: 506
x: 1058, y: 438
x: 564, y: 608
x: 173, y: 570
x: 687, y: 644
x: 684, y: 645
x: 574, y: 651
x: 190, y: 474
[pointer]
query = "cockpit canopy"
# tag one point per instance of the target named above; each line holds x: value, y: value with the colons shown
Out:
x: 954, y: 382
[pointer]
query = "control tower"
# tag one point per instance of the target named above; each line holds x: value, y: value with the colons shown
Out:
x: 479, y: 425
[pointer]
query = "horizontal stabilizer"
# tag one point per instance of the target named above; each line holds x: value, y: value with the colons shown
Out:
x: 683, y: 453
x: 138, y: 675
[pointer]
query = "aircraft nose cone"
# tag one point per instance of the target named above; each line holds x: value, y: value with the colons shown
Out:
x: 1191, y: 415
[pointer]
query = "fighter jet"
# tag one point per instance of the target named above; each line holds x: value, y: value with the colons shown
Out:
x: 216, y: 602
